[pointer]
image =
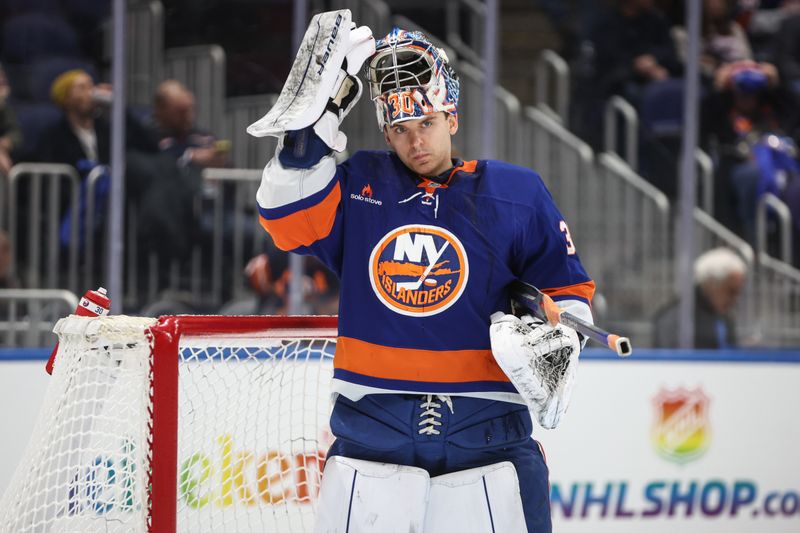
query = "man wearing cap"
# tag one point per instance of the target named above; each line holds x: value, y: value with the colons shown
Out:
x: 80, y: 134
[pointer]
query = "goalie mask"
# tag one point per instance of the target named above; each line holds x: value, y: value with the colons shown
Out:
x: 410, y: 78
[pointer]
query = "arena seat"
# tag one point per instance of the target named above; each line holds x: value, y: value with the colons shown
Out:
x: 33, y: 35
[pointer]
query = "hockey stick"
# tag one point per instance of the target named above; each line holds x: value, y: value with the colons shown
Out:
x: 544, y: 308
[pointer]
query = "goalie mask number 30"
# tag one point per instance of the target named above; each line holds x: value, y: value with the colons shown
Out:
x: 410, y: 78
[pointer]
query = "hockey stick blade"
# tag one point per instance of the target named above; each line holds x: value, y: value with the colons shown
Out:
x: 544, y: 308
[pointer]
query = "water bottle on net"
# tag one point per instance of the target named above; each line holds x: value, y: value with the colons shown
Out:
x: 93, y: 303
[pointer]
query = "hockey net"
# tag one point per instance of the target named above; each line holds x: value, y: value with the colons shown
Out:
x: 187, y: 424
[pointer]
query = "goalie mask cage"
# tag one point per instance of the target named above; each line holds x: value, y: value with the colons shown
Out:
x: 184, y: 423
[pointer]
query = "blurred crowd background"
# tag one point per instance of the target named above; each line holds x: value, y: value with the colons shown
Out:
x: 590, y: 94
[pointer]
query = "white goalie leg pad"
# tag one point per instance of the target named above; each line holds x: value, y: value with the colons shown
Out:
x: 478, y: 500
x: 317, y: 72
x: 364, y: 496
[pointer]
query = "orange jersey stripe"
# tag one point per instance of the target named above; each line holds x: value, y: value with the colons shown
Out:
x: 582, y: 290
x: 305, y: 227
x: 452, y: 366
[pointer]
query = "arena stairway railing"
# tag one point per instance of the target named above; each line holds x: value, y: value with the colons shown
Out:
x: 770, y: 205
x: 144, y: 49
x: 247, y: 151
x: 777, y: 294
x: 552, y: 85
x: 38, y: 194
x: 27, y: 316
x: 777, y: 302
x: 214, y: 272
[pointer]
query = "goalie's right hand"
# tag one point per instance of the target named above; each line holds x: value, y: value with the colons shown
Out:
x: 540, y: 360
x: 339, y: 105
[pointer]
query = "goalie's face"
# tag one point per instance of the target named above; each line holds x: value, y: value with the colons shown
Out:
x: 424, y: 145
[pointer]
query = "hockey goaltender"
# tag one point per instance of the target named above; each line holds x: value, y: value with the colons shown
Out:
x: 432, y: 435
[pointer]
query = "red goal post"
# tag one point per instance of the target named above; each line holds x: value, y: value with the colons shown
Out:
x: 185, y: 423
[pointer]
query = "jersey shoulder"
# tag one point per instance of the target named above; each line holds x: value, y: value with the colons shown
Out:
x: 513, y: 183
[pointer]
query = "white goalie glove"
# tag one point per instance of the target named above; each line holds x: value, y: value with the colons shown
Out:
x: 323, y: 84
x: 540, y: 360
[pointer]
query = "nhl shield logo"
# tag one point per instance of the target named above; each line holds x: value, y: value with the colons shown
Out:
x: 418, y: 270
x: 681, y: 432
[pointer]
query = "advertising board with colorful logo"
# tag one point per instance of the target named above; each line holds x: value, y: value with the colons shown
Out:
x: 704, y: 445
x: 648, y: 444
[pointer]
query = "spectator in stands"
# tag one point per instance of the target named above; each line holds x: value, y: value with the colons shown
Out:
x: 746, y: 106
x: 174, y: 118
x: 719, y: 276
x: 81, y: 137
x: 10, y: 136
x: 722, y: 41
x: 167, y: 184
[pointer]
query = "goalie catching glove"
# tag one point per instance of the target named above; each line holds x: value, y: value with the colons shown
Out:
x: 322, y: 86
x: 540, y: 360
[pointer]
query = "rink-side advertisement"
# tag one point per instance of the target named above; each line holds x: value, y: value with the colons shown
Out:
x: 704, y: 444
x: 696, y: 445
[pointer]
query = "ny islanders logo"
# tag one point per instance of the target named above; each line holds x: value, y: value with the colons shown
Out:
x: 418, y: 270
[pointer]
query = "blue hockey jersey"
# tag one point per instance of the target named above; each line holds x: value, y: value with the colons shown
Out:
x: 423, y: 264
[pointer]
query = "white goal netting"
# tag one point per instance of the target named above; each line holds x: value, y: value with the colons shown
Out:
x: 252, y: 403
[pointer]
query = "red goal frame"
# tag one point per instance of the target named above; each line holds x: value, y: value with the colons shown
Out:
x: 165, y: 336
